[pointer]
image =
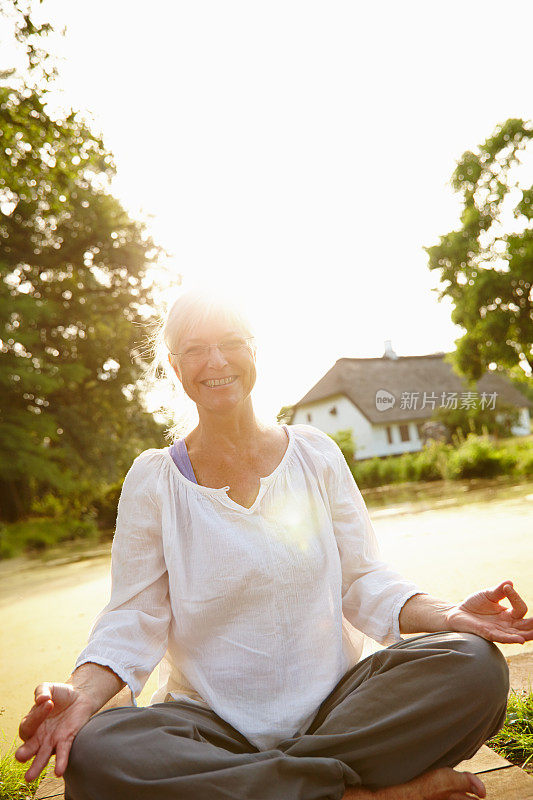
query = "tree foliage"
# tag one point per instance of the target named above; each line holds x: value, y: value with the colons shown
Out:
x: 495, y: 422
x: 486, y: 266
x: 344, y: 439
x: 72, y: 289
x: 285, y: 414
x: 31, y: 35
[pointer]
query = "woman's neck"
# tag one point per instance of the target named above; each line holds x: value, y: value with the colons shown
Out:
x: 234, y: 431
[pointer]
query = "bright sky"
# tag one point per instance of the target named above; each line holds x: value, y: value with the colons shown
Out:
x: 300, y: 152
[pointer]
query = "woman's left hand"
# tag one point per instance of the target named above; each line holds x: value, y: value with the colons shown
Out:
x: 482, y: 613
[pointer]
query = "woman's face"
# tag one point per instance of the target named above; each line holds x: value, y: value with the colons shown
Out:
x: 200, y: 374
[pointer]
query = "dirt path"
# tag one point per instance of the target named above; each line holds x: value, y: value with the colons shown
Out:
x: 46, y: 611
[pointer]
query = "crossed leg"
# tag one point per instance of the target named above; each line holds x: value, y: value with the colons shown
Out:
x: 421, y: 705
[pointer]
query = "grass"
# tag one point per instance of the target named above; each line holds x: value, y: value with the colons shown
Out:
x: 12, y: 783
x: 515, y: 740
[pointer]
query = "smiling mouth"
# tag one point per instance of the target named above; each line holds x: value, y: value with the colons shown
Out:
x: 220, y: 381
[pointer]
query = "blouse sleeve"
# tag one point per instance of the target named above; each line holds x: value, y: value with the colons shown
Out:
x: 130, y: 634
x: 372, y: 593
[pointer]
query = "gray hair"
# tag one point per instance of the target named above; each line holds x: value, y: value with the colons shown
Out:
x: 172, y: 326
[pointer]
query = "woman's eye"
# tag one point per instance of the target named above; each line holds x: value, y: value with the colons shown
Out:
x: 195, y: 350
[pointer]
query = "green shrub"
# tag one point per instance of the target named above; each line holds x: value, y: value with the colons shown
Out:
x: 428, y: 464
x: 8, y: 548
x: 406, y: 470
x: 344, y: 439
x: 35, y: 534
x: 432, y: 461
x: 476, y: 457
x: 367, y: 473
x: 106, y: 506
x: 50, y: 505
x: 524, y: 464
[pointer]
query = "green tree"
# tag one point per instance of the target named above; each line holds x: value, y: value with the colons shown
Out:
x: 18, y: 18
x: 523, y: 382
x: 344, y: 439
x: 496, y: 422
x: 73, y: 292
x: 486, y: 266
x: 285, y: 414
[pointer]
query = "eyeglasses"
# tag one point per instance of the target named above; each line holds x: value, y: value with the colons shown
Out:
x: 200, y: 352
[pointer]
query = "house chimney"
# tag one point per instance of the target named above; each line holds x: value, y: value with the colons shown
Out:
x: 389, y: 352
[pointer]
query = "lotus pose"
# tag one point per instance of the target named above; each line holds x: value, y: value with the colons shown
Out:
x: 244, y: 560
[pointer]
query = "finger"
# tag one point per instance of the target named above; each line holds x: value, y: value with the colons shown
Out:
x: 524, y: 624
x: 519, y: 606
x: 503, y: 634
x: 39, y: 763
x: 43, y: 691
x: 475, y: 790
x: 503, y: 637
x: 34, y: 718
x: 527, y: 635
x: 476, y: 785
x: 62, y: 754
x: 497, y: 592
x: 27, y: 750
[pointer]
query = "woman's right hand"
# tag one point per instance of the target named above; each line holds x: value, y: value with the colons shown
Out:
x: 59, y: 712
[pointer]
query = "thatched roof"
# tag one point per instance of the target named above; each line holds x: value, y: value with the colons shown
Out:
x: 359, y: 379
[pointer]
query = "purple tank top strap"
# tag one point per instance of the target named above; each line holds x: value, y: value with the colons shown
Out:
x: 181, y: 459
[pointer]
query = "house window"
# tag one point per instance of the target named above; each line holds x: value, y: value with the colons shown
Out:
x: 333, y: 411
x: 404, y: 433
x: 389, y: 434
x: 308, y: 417
x: 419, y: 429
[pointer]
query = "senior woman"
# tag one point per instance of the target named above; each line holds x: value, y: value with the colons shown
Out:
x: 244, y: 557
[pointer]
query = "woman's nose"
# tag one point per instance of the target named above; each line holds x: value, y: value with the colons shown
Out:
x: 216, y: 358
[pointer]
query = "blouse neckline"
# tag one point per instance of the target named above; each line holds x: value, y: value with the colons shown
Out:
x: 222, y: 493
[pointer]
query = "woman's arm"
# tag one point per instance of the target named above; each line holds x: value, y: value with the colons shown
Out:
x: 97, y: 682
x: 424, y: 614
x: 481, y: 613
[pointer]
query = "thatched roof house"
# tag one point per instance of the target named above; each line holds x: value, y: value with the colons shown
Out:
x: 386, y: 400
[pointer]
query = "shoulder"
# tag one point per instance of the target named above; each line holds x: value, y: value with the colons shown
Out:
x: 316, y: 441
x: 151, y: 457
x: 145, y: 470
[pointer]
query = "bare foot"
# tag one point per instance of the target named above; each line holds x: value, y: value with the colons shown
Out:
x: 439, y: 784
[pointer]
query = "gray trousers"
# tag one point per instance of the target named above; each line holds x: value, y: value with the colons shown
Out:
x: 428, y: 701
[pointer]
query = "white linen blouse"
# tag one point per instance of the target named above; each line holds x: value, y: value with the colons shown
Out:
x: 256, y: 612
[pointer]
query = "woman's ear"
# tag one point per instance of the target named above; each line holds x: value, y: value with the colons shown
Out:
x: 176, y: 369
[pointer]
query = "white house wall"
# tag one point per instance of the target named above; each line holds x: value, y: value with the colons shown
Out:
x: 347, y: 417
x: 397, y: 447
x: 370, y: 440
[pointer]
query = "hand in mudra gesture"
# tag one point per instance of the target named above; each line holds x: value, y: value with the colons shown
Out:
x: 59, y: 712
x: 482, y: 613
